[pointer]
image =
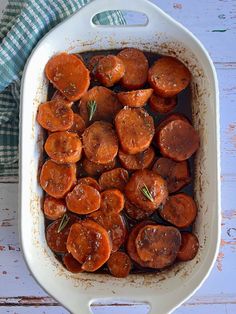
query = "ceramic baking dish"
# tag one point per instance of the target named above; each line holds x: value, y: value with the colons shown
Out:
x: 166, y: 290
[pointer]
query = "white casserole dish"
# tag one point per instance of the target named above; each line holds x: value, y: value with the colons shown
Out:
x: 166, y: 290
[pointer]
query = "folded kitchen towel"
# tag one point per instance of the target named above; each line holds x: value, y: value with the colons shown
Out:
x: 23, y: 24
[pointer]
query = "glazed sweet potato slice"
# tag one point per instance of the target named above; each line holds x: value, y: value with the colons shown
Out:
x: 57, y: 233
x: 130, y: 245
x: 114, y: 224
x: 138, y: 161
x: 189, y: 247
x: 136, y: 68
x: 169, y: 118
x: 55, y: 115
x: 93, y: 62
x: 100, y: 142
x: 158, y: 245
x: 53, y: 208
x: 146, y: 190
x: 109, y: 70
x: 179, y: 210
x: 136, y: 213
x: 90, y: 181
x: 112, y: 201
x: 176, y: 174
x: 89, y: 244
x: 71, y: 263
x: 83, y: 199
x: 135, y: 129
x: 93, y: 169
x: 114, y: 179
x: 119, y: 264
x: 59, y: 96
x: 162, y: 105
x: 69, y: 75
x: 136, y: 98
x: 177, y: 140
x: 63, y: 147
x: 78, y: 125
x: 99, y: 103
x: 57, y: 179
x: 168, y: 77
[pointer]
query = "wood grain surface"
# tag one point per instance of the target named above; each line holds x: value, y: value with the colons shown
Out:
x: 214, y: 23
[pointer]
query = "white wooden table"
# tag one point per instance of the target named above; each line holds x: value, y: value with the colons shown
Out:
x: 214, y: 23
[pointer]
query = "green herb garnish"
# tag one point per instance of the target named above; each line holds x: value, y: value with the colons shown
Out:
x: 147, y: 193
x: 92, y: 107
x: 64, y: 221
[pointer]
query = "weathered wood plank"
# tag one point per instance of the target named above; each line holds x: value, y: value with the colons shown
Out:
x: 33, y: 310
x: 212, y: 21
x: 185, y: 309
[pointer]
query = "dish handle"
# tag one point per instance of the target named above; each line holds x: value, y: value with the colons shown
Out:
x: 98, y: 6
x: 142, y: 304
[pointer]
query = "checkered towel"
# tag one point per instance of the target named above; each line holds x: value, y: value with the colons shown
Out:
x: 24, y: 22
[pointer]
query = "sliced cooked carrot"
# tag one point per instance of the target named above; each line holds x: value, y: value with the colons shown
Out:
x: 136, y: 68
x: 136, y: 213
x: 53, y: 208
x: 110, y: 69
x: 114, y: 224
x: 89, y: 243
x: 146, y: 190
x: 138, y: 161
x: 78, y: 124
x: 119, y: 264
x: 177, y: 140
x: 99, y: 103
x: 176, y: 174
x: 180, y: 210
x: 71, y: 263
x: 189, y: 247
x: 112, y: 201
x: 162, y: 105
x: 168, y: 76
x: 64, y: 147
x: 114, y: 179
x: 158, y: 245
x: 55, y: 115
x: 57, y: 179
x: 135, y: 129
x: 68, y: 74
x: 93, y: 169
x: 136, y: 98
x: 56, y: 236
x: 100, y: 142
x: 83, y: 199
x: 90, y: 181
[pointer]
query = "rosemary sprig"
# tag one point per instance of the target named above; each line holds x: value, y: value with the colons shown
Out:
x: 92, y: 107
x: 147, y: 193
x: 64, y: 221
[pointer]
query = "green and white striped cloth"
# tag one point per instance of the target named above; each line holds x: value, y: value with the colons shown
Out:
x: 23, y: 24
